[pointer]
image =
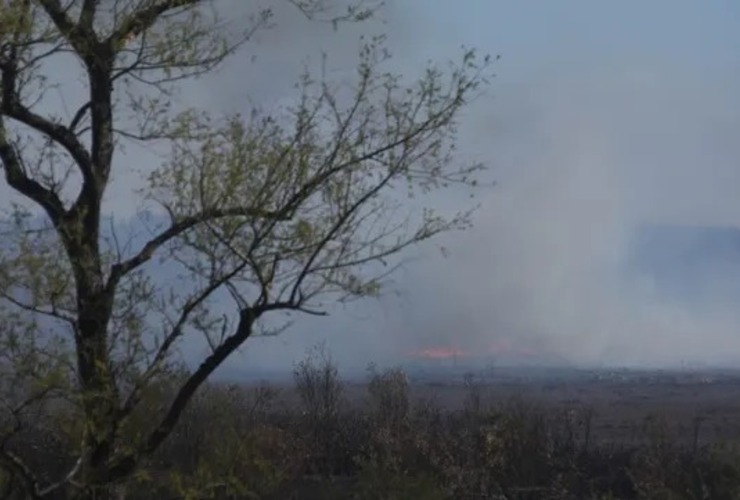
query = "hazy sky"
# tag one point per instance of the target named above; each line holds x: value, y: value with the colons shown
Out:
x: 604, y: 117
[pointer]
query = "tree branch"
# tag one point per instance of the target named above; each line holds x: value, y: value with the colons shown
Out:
x: 143, y: 19
x: 75, y: 34
x: 56, y: 12
x: 176, y: 229
x: 32, y: 487
x: 79, y: 116
x: 11, y: 106
x: 247, y: 318
x: 293, y: 306
x: 14, y: 463
x: 59, y: 133
x: 128, y: 462
x: 337, y: 226
x: 54, y: 312
x: 66, y: 479
x: 177, y: 329
x: 87, y: 14
x: 18, y: 180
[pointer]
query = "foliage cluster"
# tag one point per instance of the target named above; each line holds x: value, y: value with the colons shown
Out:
x: 242, y: 219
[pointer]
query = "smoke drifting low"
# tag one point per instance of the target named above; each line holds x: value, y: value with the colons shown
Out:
x: 599, y: 140
x: 594, y: 156
x: 567, y: 252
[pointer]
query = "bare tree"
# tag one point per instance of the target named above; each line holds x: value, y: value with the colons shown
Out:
x: 275, y: 212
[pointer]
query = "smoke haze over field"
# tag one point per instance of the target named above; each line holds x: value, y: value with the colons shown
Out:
x: 602, y: 127
x: 606, y: 124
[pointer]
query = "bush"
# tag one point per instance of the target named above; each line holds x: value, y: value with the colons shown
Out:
x: 237, y: 443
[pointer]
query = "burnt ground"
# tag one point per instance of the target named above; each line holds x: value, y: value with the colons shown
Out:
x: 620, y: 408
x: 705, y: 404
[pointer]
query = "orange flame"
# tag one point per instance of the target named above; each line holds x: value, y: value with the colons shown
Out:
x: 439, y: 353
x: 497, y: 347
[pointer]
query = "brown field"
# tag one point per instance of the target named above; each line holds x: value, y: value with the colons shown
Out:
x: 702, y: 406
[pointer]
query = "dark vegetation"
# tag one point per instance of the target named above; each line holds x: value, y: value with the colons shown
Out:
x: 237, y: 442
x: 244, y: 216
x: 268, y: 212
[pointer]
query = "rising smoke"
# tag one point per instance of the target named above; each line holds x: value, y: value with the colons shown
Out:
x: 587, y: 160
x: 591, y: 151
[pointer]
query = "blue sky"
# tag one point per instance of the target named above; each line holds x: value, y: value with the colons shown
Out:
x: 604, y: 117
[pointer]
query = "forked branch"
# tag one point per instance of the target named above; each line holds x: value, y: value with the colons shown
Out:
x: 178, y: 228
